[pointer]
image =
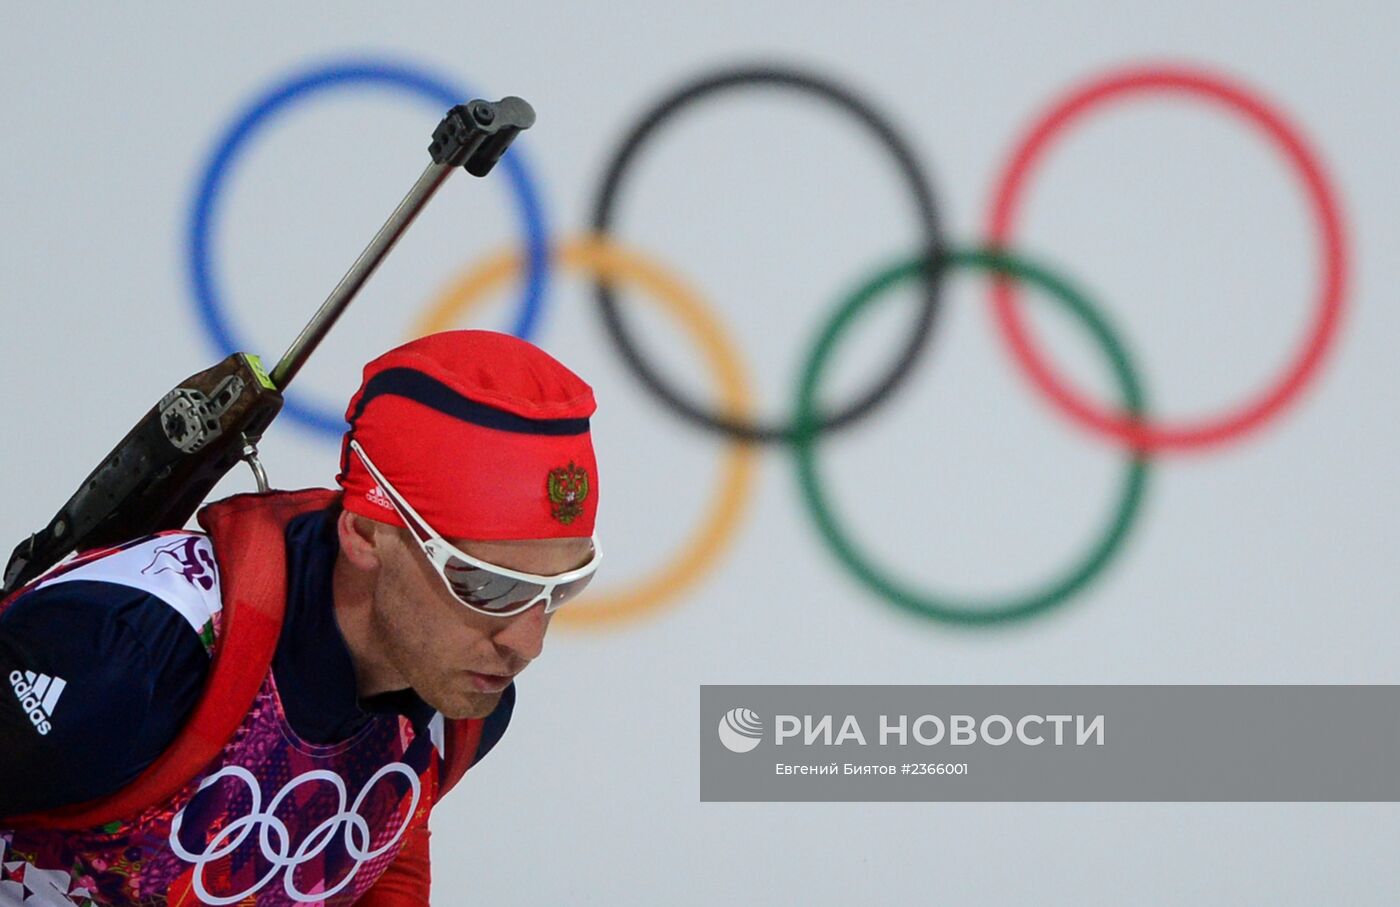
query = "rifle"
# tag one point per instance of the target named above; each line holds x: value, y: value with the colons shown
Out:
x: 158, y: 475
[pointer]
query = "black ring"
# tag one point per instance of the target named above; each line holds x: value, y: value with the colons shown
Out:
x: 755, y: 76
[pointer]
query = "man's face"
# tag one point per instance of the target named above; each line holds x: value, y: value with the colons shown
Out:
x: 457, y: 660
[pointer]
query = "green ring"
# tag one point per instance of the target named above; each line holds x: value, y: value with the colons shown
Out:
x: 969, y: 612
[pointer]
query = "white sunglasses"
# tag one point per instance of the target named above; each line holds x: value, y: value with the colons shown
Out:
x: 484, y: 587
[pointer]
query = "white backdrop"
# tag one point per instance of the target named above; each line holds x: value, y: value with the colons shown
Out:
x: 1268, y: 560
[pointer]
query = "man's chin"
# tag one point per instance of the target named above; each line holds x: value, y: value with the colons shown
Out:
x: 460, y: 705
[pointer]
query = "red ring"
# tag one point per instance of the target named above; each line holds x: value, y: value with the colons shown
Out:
x: 1144, y: 435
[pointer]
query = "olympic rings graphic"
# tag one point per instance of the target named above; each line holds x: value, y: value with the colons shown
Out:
x: 338, y: 75
x: 1026, y: 604
x: 707, y: 543
x: 910, y: 171
x: 926, y: 261
x: 1321, y: 199
x: 357, y: 836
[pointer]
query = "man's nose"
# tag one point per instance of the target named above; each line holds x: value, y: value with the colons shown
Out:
x: 523, y: 634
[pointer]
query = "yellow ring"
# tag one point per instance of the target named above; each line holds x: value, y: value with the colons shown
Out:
x: 609, y: 261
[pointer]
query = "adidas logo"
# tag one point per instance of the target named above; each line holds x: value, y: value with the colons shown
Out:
x: 376, y: 495
x: 38, y: 693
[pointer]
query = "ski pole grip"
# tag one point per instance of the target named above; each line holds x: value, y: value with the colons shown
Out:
x: 475, y: 135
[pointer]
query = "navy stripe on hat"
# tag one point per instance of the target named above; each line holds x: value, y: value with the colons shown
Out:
x: 422, y: 388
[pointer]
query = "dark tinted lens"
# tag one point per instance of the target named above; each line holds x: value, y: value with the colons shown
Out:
x: 566, y: 591
x: 487, y: 590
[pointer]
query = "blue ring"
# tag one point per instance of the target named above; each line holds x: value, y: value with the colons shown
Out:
x: 331, y: 75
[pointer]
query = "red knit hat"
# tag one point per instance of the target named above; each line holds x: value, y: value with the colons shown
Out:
x: 484, y: 434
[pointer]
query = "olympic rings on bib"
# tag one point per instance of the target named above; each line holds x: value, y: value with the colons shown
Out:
x: 337, y: 75
x: 909, y: 169
x: 702, y: 550
x: 357, y: 837
x: 938, y: 607
x: 1321, y: 199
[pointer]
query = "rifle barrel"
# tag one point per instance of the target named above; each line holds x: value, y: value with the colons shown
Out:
x: 325, y: 318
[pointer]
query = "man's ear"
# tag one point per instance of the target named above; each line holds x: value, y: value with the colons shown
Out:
x: 359, y: 540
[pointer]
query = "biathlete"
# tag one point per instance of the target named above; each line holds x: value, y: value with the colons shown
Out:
x: 363, y: 642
